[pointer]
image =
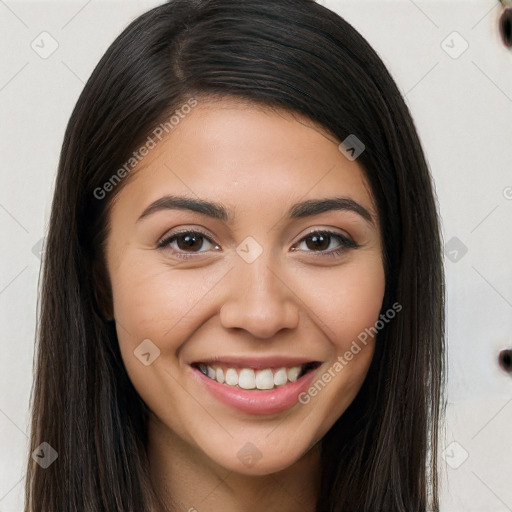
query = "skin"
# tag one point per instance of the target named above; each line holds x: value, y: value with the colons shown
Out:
x: 294, y: 299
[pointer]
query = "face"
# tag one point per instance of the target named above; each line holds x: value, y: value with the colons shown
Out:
x: 245, y: 259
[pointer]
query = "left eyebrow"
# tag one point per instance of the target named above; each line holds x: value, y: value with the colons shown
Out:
x: 317, y: 206
x: 217, y: 211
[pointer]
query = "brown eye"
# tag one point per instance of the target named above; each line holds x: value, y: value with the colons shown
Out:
x: 325, y: 242
x: 318, y: 242
x: 189, y: 242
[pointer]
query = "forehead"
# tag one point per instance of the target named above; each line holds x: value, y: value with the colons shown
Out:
x: 238, y: 152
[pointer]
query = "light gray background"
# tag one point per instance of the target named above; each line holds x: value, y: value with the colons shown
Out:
x: 462, y: 106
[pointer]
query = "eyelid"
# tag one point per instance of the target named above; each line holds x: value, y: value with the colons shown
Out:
x: 346, y: 242
x: 329, y: 231
x: 163, y: 240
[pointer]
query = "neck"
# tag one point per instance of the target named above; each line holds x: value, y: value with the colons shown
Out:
x: 186, y: 480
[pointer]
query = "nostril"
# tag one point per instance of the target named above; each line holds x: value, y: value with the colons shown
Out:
x: 505, y: 360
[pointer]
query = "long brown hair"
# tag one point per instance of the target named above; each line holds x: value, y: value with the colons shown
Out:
x: 381, y: 455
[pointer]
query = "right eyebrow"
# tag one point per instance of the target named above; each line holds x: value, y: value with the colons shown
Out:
x: 167, y: 202
x: 217, y: 211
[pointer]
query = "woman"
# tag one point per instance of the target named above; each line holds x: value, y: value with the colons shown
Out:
x: 242, y: 296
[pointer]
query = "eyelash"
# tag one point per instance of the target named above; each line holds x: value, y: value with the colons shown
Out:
x: 345, y: 243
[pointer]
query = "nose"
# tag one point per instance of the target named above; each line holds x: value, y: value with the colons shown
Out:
x: 259, y: 301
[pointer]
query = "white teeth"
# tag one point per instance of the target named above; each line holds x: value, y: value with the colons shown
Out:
x: 280, y: 377
x: 231, y: 377
x: 265, y: 379
x: 219, y: 375
x: 293, y: 373
x: 247, y: 378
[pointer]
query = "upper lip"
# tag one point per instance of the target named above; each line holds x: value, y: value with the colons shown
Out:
x: 257, y: 362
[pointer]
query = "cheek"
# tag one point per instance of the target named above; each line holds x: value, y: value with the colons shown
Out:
x: 153, y: 300
x: 159, y: 304
x: 346, y: 301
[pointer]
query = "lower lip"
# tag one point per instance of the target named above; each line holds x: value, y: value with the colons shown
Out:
x: 255, y: 401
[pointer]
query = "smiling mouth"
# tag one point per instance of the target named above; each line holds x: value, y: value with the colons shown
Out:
x: 263, y: 379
